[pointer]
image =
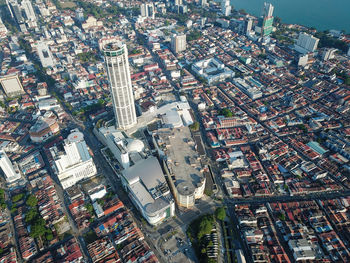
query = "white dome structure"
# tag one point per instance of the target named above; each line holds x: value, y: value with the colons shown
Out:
x: 135, y: 146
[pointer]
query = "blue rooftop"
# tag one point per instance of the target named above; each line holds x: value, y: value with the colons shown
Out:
x: 317, y: 147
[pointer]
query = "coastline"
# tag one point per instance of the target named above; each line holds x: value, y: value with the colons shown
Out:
x: 318, y: 17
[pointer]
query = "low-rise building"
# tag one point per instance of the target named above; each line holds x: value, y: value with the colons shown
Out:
x: 301, y: 249
x: 102, y: 250
x: 213, y: 70
x: 43, y: 129
x: 252, y: 91
x: 11, y: 85
x: 91, y: 22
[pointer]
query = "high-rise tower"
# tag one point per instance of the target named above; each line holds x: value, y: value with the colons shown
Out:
x: 203, y: 3
x: 7, y: 168
x: 9, y: 8
x: 249, y: 25
x: 76, y: 163
x: 178, y: 43
x: 15, y: 11
x: 226, y: 7
x: 117, y: 64
x: 268, y: 10
x: 147, y: 10
x: 306, y: 43
x: 266, y: 21
x: 29, y: 11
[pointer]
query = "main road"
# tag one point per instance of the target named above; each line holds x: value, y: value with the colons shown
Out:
x: 289, y: 198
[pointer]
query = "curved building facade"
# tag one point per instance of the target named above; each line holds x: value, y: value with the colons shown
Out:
x: 117, y: 64
x: 149, y: 191
x: 187, y: 192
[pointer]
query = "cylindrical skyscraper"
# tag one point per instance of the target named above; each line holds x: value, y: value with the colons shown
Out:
x: 117, y: 64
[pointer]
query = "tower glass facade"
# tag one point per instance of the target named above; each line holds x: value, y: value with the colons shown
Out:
x: 117, y: 64
x: 266, y: 21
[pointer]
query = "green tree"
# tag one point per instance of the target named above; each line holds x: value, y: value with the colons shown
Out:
x: 302, y: 127
x: 90, y: 237
x: 205, y: 226
x: 194, y: 126
x: 32, y: 200
x: 49, y: 236
x: 347, y: 81
x: 328, y: 41
x: 31, y: 215
x: 220, y: 213
x: 194, y: 35
x: 282, y: 216
x: 89, y: 56
x: 90, y: 208
x: 2, y: 199
x: 17, y: 197
x: 135, y: 51
x: 208, y: 192
x: 226, y: 112
x: 38, y: 229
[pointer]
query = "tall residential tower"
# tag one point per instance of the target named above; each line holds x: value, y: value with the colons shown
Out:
x: 29, y: 11
x: 306, y: 43
x: 178, y: 43
x: 226, y: 7
x: 147, y: 10
x: 117, y: 64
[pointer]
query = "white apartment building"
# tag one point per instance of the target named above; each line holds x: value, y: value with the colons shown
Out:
x: 226, y: 7
x: 178, y: 43
x: 147, y: 10
x: 76, y: 163
x: 306, y: 43
x: 5, y: 164
x: 29, y: 11
x: 45, y: 55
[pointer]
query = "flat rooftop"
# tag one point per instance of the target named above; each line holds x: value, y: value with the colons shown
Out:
x: 148, y: 184
x: 148, y: 170
x: 182, y: 155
